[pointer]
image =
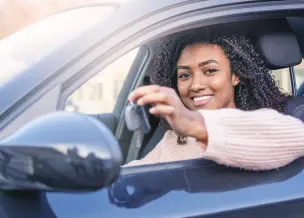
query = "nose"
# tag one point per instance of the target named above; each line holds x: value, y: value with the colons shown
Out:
x: 198, y: 83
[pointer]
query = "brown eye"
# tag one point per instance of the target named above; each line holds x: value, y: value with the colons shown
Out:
x: 184, y: 75
x: 210, y: 71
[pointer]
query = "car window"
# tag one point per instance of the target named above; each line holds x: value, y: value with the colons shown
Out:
x: 282, y: 77
x: 299, y: 70
x: 36, y: 41
x: 99, y: 94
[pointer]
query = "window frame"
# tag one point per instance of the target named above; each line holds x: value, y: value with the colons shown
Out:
x: 114, y: 47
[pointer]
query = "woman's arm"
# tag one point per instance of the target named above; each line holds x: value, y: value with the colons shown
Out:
x: 255, y: 140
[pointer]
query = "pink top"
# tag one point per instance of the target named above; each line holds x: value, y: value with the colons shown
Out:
x: 255, y: 140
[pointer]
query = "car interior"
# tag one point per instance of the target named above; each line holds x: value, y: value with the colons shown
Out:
x: 280, y: 43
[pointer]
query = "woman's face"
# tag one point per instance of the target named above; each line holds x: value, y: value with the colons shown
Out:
x: 204, y: 79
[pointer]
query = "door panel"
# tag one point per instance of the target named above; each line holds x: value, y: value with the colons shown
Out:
x: 195, y: 188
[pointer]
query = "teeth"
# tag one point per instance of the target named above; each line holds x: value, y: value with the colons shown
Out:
x: 203, y: 98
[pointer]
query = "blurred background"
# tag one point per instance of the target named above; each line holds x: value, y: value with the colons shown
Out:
x: 16, y: 14
x: 96, y: 96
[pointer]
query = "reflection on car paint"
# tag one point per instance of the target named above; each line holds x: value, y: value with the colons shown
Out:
x: 149, y: 187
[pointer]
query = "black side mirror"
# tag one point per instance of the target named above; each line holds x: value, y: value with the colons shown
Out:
x: 61, y: 151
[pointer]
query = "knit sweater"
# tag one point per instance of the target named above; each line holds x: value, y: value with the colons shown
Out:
x: 254, y: 140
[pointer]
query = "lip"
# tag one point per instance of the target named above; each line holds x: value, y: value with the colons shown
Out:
x: 201, y: 102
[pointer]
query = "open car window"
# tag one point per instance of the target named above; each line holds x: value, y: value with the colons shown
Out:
x: 283, y: 80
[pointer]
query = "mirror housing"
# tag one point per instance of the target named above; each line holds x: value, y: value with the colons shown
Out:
x: 61, y: 151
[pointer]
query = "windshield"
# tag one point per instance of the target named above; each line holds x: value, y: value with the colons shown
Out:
x: 33, y: 43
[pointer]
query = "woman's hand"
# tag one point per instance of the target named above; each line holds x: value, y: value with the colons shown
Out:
x: 166, y: 103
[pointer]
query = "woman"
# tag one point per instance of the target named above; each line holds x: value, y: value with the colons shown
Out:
x: 221, y: 103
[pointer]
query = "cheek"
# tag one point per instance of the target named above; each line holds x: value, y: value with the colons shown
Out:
x: 183, y: 88
x: 220, y: 84
x: 221, y: 81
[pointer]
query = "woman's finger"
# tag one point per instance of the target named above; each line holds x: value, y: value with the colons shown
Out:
x: 154, y: 98
x: 142, y: 91
x: 163, y: 110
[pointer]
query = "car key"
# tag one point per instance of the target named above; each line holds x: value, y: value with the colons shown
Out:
x: 136, y: 118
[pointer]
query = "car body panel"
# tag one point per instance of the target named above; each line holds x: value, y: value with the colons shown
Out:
x: 202, y: 188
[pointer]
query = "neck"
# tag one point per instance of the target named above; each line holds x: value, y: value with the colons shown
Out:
x: 231, y: 104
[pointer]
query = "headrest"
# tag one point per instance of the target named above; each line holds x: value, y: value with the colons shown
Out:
x: 279, y: 50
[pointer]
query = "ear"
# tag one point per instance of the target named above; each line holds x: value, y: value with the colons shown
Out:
x: 235, y: 79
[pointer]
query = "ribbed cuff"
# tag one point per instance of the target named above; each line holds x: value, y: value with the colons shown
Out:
x: 217, y: 136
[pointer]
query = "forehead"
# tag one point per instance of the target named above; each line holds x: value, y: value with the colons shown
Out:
x: 200, y: 52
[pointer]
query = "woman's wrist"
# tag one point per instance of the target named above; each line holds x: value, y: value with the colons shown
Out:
x: 198, y: 128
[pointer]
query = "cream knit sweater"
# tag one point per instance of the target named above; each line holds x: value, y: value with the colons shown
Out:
x: 255, y: 140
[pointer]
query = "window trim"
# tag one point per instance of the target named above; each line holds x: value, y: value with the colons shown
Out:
x: 293, y: 81
x: 199, y: 162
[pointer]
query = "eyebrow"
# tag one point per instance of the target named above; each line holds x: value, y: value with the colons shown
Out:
x: 200, y: 64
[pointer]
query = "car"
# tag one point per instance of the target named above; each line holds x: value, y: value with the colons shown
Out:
x: 64, y: 85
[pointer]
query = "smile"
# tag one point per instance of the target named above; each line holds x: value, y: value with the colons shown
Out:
x: 202, y: 100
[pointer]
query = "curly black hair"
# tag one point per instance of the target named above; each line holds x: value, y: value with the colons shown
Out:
x: 257, y: 88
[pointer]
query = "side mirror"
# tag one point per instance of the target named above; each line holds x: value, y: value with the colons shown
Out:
x: 61, y: 151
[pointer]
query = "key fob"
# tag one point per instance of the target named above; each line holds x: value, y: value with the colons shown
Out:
x: 136, y: 117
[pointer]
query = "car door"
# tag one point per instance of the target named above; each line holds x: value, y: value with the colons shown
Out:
x: 153, y: 199
x: 149, y: 22
x: 196, y: 188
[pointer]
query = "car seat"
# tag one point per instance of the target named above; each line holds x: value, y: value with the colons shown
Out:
x: 282, y: 50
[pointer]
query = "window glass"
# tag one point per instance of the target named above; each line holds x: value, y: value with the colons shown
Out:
x: 99, y: 94
x: 282, y: 77
x: 299, y: 70
x: 36, y: 41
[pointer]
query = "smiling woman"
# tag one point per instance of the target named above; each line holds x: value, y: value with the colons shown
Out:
x: 207, y: 83
x: 221, y: 103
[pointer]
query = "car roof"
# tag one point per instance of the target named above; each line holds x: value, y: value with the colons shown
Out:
x: 124, y: 2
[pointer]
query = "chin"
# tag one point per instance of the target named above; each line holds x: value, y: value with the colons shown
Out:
x: 207, y: 107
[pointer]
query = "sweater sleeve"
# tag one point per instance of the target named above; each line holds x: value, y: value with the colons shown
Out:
x: 254, y: 140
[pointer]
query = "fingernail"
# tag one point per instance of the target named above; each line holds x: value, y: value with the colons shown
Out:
x: 152, y: 110
x: 130, y: 96
x: 140, y: 102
